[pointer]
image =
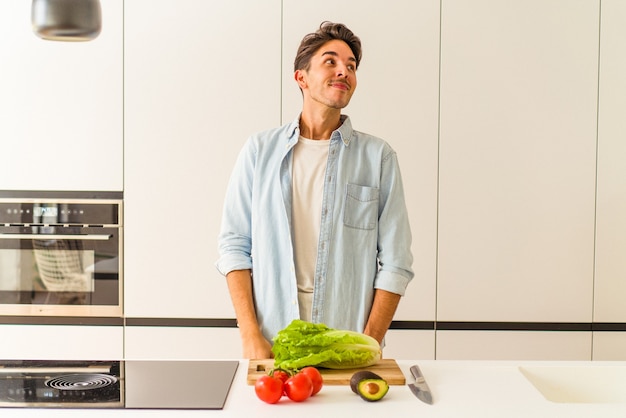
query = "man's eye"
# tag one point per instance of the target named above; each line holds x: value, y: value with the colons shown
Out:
x: 330, y: 61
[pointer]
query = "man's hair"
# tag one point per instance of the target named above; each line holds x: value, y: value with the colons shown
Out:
x: 328, y: 31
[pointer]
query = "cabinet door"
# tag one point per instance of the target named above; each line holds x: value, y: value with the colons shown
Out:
x: 610, y: 286
x: 200, y: 77
x: 176, y: 343
x: 61, y: 342
x: 609, y: 346
x: 60, y: 105
x: 517, y: 160
x: 513, y: 345
x: 404, y: 344
x: 396, y: 99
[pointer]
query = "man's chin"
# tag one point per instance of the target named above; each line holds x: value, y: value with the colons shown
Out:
x: 340, y: 104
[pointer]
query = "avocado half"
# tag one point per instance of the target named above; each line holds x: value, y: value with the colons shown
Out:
x: 368, y: 385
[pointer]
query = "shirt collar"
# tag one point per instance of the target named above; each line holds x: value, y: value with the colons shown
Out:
x: 344, y: 132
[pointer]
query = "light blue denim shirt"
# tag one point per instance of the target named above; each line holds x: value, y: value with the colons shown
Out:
x: 365, y: 238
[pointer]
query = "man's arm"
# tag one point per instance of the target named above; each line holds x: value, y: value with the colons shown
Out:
x: 383, y: 308
x: 254, y: 344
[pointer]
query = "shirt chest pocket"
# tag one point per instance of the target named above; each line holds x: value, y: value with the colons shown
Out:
x: 361, y: 208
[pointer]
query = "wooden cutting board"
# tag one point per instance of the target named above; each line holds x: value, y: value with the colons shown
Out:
x: 386, y: 368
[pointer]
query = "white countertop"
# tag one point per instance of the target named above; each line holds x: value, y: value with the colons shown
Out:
x: 460, y: 389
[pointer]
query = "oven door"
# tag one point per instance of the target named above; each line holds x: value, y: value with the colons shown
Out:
x: 60, y: 271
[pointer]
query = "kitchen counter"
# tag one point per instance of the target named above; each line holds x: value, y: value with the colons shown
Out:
x: 460, y: 389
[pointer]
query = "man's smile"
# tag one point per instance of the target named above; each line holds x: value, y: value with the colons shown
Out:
x: 340, y: 85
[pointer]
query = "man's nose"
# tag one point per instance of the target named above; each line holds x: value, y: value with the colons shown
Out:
x: 342, y: 71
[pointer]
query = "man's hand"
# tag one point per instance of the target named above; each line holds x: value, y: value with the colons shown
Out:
x: 256, y: 348
x: 254, y: 344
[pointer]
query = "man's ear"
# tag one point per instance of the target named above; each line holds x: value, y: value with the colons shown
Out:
x: 300, y: 77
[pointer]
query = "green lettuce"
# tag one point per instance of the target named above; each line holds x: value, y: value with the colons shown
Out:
x: 302, y: 344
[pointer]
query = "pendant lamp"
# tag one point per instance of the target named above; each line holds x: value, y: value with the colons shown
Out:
x: 66, y: 20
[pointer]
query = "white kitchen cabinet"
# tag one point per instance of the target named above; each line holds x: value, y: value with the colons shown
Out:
x: 513, y: 345
x: 200, y: 77
x: 396, y: 99
x: 61, y: 105
x: 409, y: 344
x: 187, y: 343
x: 609, y: 346
x: 61, y: 342
x: 610, y: 286
x: 517, y: 163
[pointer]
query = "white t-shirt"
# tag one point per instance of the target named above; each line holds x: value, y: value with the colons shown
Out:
x: 309, y: 167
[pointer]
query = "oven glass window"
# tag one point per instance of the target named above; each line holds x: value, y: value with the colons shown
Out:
x: 53, y: 273
x: 60, y: 266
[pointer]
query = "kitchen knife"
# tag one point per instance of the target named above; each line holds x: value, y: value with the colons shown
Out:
x: 420, y: 388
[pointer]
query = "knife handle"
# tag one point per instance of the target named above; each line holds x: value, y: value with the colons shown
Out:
x: 417, y: 374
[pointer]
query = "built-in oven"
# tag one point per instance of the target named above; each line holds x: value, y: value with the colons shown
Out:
x: 61, y: 256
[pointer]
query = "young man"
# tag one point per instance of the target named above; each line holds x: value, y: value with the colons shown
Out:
x: 315, y: 223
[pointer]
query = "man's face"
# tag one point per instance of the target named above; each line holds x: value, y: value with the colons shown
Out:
x: 331, y: 78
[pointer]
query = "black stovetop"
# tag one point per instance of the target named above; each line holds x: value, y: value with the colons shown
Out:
x: 139, y: 384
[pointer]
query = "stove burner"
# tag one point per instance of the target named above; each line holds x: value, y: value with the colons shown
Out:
x: 82, y: 384
x: 82, y: 381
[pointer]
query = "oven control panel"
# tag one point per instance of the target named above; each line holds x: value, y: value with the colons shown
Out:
x: 53, y: 213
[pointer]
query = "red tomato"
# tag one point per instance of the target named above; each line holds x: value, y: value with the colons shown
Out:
x: 269, y: 389
x: 281, y: 374
x: 299, y: 387
x: 316, y: 378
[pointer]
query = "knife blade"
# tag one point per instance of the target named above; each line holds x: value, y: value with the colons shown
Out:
x: 420, y: 388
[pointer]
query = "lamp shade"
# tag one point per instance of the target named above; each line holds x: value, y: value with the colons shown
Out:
x: 66, y: 20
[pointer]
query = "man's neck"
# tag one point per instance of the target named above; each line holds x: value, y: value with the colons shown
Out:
x: 319, y: 125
